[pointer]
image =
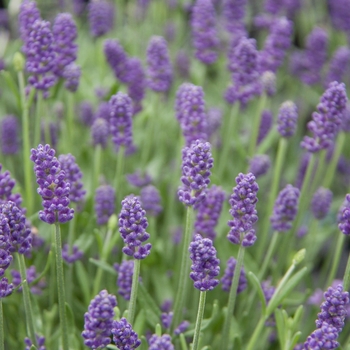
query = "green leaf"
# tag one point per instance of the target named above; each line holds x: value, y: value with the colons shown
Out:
x: 149, y: 306
x: 84, y: 281
x: 70, y: 318
x: 103, y: 265
x: 183, y: 342
x: 297, y: 317
x: 294, y: 340
x: 281, y: 327
x: 257, y: 286
x: 139, y: 323
x: 12, y: 85
x: 46, y: 268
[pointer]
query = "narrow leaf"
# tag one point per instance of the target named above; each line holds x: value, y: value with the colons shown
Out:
x: 103, y: 265
x: 257, y: 286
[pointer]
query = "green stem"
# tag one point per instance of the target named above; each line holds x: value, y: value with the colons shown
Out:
x: 96, y: 170
x: 319, y: 176
x: 200, y: 314
x: 26, y: 298
x: 267, y: 258
x: 336, y: 259
x: 26, y: 146
x: 256, y: 334
x: 119, y: 175
x: 2, y: 343
x: 256, y: 123
x: 232, y: 299
x: 346, y: 279
x: 37, y: 134
x: 61, y: 288
x: 133, y: 295
x: 70, y: 121
x: 281, y: 153
x: 69, y: 278
x: 184, y: 270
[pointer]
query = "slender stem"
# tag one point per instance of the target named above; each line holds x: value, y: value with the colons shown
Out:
x: 2, y: 343
x: 256, y: 334
x: 281, y: 152
x: 336, y: 259
x: 96, y: 170
x: 61, y: 288
x: 26, y: 146
x: 346, y: 279
x: 200, y: 314
x: 119, y: 174
x: 70, y: 120
x: 37, y: 134
x: 232, y: 299
x: 267, y: 258
x: 184, y: 270
x: 69, y: 278
x: 319, y: 176
x: 26, y: 298
x: 133, y: 295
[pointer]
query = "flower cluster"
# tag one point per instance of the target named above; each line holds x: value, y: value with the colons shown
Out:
x: 163, y: 342
x: 321, y: 202
x: 104, y: 203
x: 150, y: 199
x: 226, y: 280
x: 124, y: 282
x: 287, y: 119
x: 101, y: 17
x: 9, y: 140
x: 125, y: 338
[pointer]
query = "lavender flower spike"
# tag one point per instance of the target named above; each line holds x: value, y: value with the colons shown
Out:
x: 204, y: 35
x: 327, y: 122
x: 104, y: 203
x: 99, y: 320
x: 196, y: 164
x: 243, y: 201
x: 100, y: 132
x: 124, y: 282
x: 285, y: 209
x: 160, y: 73
x: 53, y: 187
x: 6, y: 288
x: 28, y: 14
x: 161, y: 343
x: 227, y: 278
x: 287, y: 119
x: 205, y: 265
x: 101, y: 17
x: 132, y: 228
x: 259, y: 165
x: 150, y: 199
x: 124, y: 336
x: 321, y: 202
x: 9, y: 135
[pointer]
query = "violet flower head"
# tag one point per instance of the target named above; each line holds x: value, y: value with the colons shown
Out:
x: 227, y: 278
x: 344, y: 216
x: 167, y: 318
x: 117, y: 59
x: 338, y: 66
x: 160, y: 343
x: 208, y: 212
x: 73, y: 176
x: 181, y: 328
x: 73, y: 256
x: 151, y: 201
x: 340, y: 13
x: 9, y: 135
x: 136, y: 83
x: 323, y: 337
x: 243, y: 202
x: 234, y: 13
x: 5, y: 259
x: 120, y: 121
x: 40, y: 340
x: 205, y: 265
x: 204, y: 35
x: 124, y: 282
x: 190, y: 112
x: 7, y: 183
x: 19, y: 238
x: 196, y: 164
x: 71, y: 74
x: 285, y: 209
x: 321, y: 203
x: 6, y: 288
x: 159, y: 72
x: 139, y: 179
x: 287, y: 119
x: 182, y: 64
x: 265, y: 124
x: 99, y: 321
x: 28, y: 14
x: 49, y: 129
x: 41, y: 56
x: 86, y: 113
x: 53, y: 187
x: 214, y: 121
x: 276, y: 45
x: 103, y: 111
x: 326, y: 123
x: 268, y: 81
x: 132, y: 228
x: 64, y: 32
x: 124, y: 337
x: 100, y: 132
x: 259, y: 165
x: 101, y: 17
x: 104, y: 203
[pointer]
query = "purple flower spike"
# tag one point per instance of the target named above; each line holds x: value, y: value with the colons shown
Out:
x: 86, y: 113
x: 72, y: 257
x: 5, y: 261
x: 340, y: 12
x: 205, y: 265
x: 64, y: 32
x: 9, y: 135
x: 327, y: 122
x: 117, y: 59
x: 136, y: 83
x: 160, y: 343
x: 234, y: 12
x: 124, y: 336
x: 41, y: 57
x: 196, y: 164
x: 121, y: 120
x: 160, y: 73
x: 181, y: 328
x: 287, y: 119
x: 6, y: 186
x: 100, y: 132
x: 53, y: 187
x: 139, y: 179
x: 40, y: 341
x: 28, y: 14
x: 99, y: 321
x: 4, y: 231
x: 265, y: 124
x: 132, y: 228
x: 321, y: 203
x: 20, y: 239
x: 227, y: 278
x: 339, y: 65
x: 6, y: 288
x: 71, y: 74
x: 204, y: 35
x: 104, y: 203
x: 323, y: 337
x: 243, y: 201
x: 285, y: 209
x: 268, y: 81
x: 73, y: 176
x: 101, y: 17
x: 259, y: 165
x: 208, y: 212
x: 190, y: 112
x: 124, y: 282
x: 150, y: 199
x: 167, y: 318
x: 182, y: 64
